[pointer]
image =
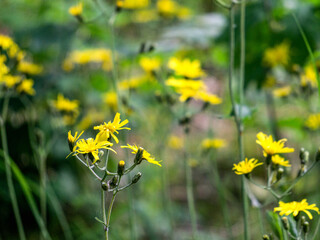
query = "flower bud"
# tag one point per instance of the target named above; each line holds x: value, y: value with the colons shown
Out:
x: 136, y: 177
x: 265, y: 237
x: 104, y: 186
x: 304, y: 156
x: 305, y: 227
x: 285, y: 223
x: 113, y: 182
x: 138, y: 158
x: 279, y: 173
x: 121, y: 165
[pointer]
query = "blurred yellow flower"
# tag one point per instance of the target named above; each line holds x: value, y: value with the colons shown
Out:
x: 186, y: 67
x: 29, y: 68
x: 82, y: 57
x: 309, y: 76
x: 277, y: 160
x: 313, y: 121
x: 145, y: 15
x: 208, y: 97
x: 133, y: 4
x: 183, y: 13
x: 271, y: 147
x: 3, y: 67
x: 91, y: 146
x: 295, y: 208
x: 13, y: 50
x: 278, y: 55
x: 65, y: 105
x: 282, y: 92
x: 246, y: 166
x: 175, y: 142
x: 26, y: 86
x: 108, y: 129
x: 167, y: 8
x: 111, y: 99
x: 133, y: 82
x: 76, y: 10
x: 72, y: 139
x: 91, y: 117
x: 213, y: 143
x: 145, y: 155
x: 150, y: 64
x: 10, y: 81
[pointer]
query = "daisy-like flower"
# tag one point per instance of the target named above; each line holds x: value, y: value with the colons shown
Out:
x: 76, y: 10
x: 108, y: 129
x: 145, y: 155
x: 26, y: 86
x: 72, y: 139
x: 186, y: 67
x: 246, y: 166
x: 277, y: 160
x: 271, y: 147
x: 295, y: 208
x: 91, y: 146
x: 150, y: 64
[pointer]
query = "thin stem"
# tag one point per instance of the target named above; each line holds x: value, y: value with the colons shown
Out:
x: 91, y: 170
x: 8, y: 169
x: 191, y: 205
x: 316, y: 231
x: 43, y: 186
x: 104, y: 216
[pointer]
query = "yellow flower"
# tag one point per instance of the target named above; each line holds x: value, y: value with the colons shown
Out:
x: 13, y: 50
x: 29, y: 68
x: 313, y: 121
x: 91, y: 117
x: 208, y: 97
x: 183, y: 13
x: 133, y: 4
x: 167, y: 8
x: 278, y: 55
x: 186, y: 67
x: 10, y: 81
x: 309, y: 76
x: 277, y: 160
x: 146, y: 15
x: 150, y: 64
x: 111, y: 99
x: 76, y: 10
x: 213, y: 143
x: 26, y: 86
x: 64, y: 104
x: 282, y: 92
x: 72, y: 139
x: 3, y: 68
x: 97, y: 55
x: 175, y: 142
x: 245, y: 167
x: 108, y: 129
x: 91, y: 146
x: 295, y: 208
x: 271, y: 147
x: 145, y: 155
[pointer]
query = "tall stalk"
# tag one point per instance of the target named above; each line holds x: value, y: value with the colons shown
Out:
x: 8, y: 171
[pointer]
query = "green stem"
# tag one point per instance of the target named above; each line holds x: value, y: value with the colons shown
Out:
x: 240, y: 125
x: 43, y: 187
x: 191, y: 205
x: 8, y: 169
x: 104, y: 216
x: 316, y: 231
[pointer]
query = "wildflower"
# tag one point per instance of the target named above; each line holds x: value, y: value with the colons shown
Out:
x: 108, y: 129
x: 213, y: 143
x: 175, y: 142
x: 309, y: 76
x: 145, y: 155
x: 10, y: 81
x: 167, y: 8
x: 150, y: 65
x: 3, y: 68
x: 271, y: 147
x: 313, y: 121
x: 29, y: 68
x: 145, y: 15
x: 111, y: 99
x: 91, y: 146
x: 209, y: 98
x: 26, y: 86
x: 76, y: 10
x: 278, y: 55
x: 72, y: 139
x: 65, y: 105
x: 295, y: 208
x: 132, y: 4
x: 186, y: 67
x: 97, y: 55
x: 277, y: 160
x: 183, y: 13
x: 282, y: 92
x: 13, y: 50
x: 245, y: 167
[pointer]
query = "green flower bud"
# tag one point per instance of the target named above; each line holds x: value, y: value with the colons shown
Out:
x: 318, y: 155
x: 136, y: 177
x: 285, y: 223
x: 138, y: 157
x: 104, y: 186
x: 265, y: 237
x: 304, y: 156
x: 121, y: 165
x: 114, y: 181
x: 305, y: 227
x: 279, y: 173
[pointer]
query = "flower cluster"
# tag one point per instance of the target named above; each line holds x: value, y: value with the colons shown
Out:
x: 97, y: 56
